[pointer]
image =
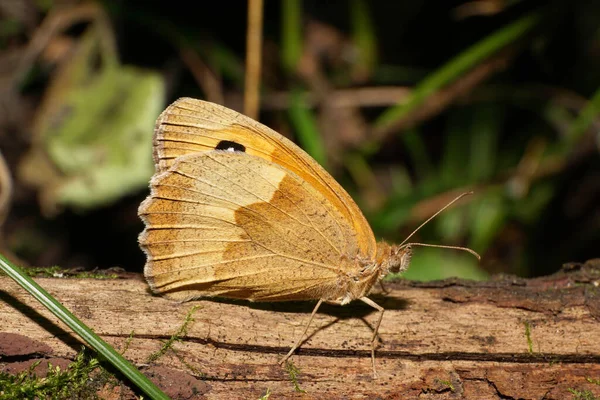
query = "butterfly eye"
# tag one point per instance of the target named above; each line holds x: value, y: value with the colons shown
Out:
x: 230, y: 146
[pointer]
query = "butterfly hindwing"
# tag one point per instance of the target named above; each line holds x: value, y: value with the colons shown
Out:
x: 228, y: 223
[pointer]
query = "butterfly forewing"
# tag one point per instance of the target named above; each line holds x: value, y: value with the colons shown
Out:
x: 191, y: 126
x: 236, y: 225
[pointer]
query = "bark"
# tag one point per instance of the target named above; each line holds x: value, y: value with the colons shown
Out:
x: 449, y: 339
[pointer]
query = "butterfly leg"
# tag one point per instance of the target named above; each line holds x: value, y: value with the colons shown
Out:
x: 383, y: 288
x: 303, y: 333
x: 376, y: 330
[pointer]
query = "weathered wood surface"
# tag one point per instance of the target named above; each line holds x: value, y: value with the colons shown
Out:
x: 442, y: 340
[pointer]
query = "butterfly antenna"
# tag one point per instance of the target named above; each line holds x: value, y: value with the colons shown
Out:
x: 441, y: 246
x: 460, y: 196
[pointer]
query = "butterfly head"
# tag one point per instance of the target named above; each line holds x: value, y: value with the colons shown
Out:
x: 393, y: 259
x: 400, y: 258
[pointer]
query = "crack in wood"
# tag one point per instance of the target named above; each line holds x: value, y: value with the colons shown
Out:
x: 519, y: 358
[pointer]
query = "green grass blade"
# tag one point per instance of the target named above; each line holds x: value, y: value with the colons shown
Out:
x: 305, y: 126
x: 456, y: 67
x: 93, y: 340
x: 364, y: 36
x: 291, y: 34
x: 585, y: 118
x: 485, y: 126
x: 418, y: 153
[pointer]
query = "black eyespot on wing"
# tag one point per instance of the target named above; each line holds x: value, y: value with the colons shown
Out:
x: 230, y: 146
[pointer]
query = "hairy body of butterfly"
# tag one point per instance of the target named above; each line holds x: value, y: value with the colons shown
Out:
x: 237, y: 210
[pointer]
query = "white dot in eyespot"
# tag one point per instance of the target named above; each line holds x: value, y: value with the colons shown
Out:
x: 227, y: 145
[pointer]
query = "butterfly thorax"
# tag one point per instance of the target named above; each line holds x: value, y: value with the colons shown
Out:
x: 368, y: 271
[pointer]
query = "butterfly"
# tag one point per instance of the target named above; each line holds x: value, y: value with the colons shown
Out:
x: 236, y: 210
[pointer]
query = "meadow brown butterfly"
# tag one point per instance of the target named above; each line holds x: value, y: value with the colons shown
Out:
x: 236, y: 210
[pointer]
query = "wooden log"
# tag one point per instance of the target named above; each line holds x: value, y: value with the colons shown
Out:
x: 505, y: 338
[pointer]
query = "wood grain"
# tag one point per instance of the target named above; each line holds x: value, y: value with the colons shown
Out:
x: 448, y: 339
